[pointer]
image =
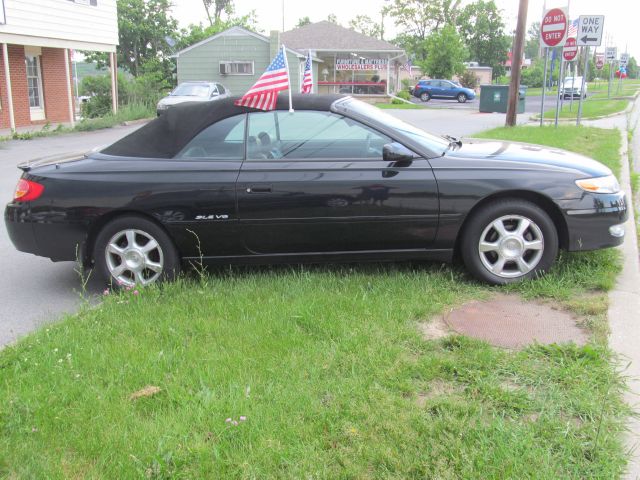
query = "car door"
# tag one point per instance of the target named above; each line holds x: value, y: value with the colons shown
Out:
x: 447, y: 89
x: 200, y: 203
x: 315, y: 181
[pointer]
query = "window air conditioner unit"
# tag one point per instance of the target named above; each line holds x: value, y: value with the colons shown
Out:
x: 224, y: 68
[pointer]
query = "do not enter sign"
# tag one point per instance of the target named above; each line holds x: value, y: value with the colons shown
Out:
x: 570, y: 50
x: 553, y: 29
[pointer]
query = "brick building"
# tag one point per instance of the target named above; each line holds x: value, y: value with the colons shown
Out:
x: 37, y: 39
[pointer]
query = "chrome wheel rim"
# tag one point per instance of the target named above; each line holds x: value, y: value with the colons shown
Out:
x: 511, y: 246
x: 134, y: 258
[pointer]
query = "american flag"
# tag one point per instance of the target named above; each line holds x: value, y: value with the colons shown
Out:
x: 307, y: 78
x: 264, y: 93
x: 573, y: 29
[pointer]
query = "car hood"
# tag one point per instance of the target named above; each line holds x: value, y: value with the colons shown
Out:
x: 174, y: 99
x: 527, y: 156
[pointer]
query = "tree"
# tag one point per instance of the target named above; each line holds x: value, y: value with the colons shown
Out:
x: 632, y: 68
x: 303, y: 21
x: 143, y: 29
x: 195, y: 33
x: 365, y: 25
x: 481, y: 27
x: 418, y: 18
x: 219, y: 6
x: 532, y: 45
x: 332, y: 18
x: 446, y: 53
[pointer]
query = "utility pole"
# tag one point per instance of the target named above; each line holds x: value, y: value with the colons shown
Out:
x: 516, y: 64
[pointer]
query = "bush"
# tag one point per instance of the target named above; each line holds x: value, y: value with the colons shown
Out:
x: 533, y: 76
x: 404, y: 95
x: 469, y: 79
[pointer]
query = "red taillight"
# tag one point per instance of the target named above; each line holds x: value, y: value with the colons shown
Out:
x: 26, y: 190
x: 417, y: 86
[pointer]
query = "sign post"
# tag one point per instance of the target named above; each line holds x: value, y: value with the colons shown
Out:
x: 589, y: 35
x: 569, y: 52
x: 610, y: 54
x: 553, y: 33
x: 624, y: 60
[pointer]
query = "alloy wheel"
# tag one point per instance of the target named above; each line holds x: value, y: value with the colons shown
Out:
x: 134, y: 257
x: 511, y: 246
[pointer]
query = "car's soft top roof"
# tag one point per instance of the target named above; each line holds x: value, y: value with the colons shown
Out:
x: 165, y: 136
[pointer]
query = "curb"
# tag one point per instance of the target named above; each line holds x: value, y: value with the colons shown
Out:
x: 624, y: 304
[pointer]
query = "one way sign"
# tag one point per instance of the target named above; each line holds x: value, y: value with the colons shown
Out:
x: 590, y: 30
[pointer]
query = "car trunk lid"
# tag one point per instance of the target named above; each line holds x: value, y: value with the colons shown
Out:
x: 51, y: 160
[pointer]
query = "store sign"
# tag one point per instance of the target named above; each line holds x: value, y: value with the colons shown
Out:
x: 361, y: 63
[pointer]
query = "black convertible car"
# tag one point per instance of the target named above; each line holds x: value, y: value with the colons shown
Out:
x: 338, y: 180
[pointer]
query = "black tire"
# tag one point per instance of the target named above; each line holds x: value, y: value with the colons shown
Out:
x: 462, y: 98
x: 164, y: 254
x: 425, y: 96
x: 509, y: 212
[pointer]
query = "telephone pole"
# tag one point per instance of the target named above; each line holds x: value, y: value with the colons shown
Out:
x: 516, y: 64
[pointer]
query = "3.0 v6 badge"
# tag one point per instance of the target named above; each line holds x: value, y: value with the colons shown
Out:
x: 223, y: 216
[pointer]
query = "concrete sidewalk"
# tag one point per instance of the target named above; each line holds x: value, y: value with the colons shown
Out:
x: 624, y: 300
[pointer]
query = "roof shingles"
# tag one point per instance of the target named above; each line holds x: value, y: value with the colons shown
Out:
x: 326, y: 35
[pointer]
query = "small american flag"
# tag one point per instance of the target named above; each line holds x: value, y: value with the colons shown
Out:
x: 573, y: 29
x: 264, y: 93
x: 307, y: 78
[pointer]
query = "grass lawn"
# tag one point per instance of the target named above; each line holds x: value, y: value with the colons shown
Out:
x: 400, y: 106
x: 326, y: 374
x: 590, y: 108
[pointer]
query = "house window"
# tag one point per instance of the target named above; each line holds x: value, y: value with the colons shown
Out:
x: 236, y: 68
x: 34, y: 81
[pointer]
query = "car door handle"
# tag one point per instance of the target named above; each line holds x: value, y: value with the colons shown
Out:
x: 259, y: 189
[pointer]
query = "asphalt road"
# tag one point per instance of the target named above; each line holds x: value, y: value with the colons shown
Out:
x: 34, y: 290
x: 532, y: 104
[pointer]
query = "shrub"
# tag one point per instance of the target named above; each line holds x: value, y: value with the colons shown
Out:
x: 403, y: 94
x: 469, y: 79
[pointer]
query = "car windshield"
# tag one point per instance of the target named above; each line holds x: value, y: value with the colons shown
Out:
x: 191, y: 90
x: 431, y: 142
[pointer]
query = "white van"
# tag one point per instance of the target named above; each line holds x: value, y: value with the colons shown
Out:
x: 572, y: 87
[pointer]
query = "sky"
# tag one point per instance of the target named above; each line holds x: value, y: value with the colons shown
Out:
x: 621, y: 16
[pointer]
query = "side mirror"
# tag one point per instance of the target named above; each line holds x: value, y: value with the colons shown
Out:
x: 396, y: 152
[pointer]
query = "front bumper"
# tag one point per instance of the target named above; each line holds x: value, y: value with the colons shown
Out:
x: 45, y: 235
x: 590, y: 221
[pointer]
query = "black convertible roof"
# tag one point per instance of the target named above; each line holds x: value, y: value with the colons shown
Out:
x: 165, y: 136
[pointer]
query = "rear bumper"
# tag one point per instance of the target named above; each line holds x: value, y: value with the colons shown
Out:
x: 591, y: 228
x: 42, y: 235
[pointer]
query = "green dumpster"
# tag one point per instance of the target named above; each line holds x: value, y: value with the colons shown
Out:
x: 494, y: 98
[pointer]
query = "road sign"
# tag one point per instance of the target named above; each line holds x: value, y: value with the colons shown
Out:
x: 570, y: 50
x: 611, y: 54
x: 599, y: 61
x: 590, y: 30
x: 624, y: 59
x: 553, y: 29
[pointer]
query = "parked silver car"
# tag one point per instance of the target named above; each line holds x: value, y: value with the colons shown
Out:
x: 193, y: 92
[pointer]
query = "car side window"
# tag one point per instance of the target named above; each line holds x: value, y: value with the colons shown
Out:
x: 220, y: 89
x: 311, y: 135
x: 223, y: 140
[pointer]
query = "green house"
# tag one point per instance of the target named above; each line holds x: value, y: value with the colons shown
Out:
x: 237, y: 57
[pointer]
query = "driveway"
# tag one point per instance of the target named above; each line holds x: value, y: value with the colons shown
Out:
x: 532, y: 103
x: 34, y: 290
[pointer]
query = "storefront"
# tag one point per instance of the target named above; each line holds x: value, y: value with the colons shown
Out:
x: 352, y: 63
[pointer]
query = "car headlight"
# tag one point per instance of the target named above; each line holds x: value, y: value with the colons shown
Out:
x: 162, y: 106
x: 608, y: 184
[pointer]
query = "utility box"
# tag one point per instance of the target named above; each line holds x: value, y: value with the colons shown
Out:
x: 495, y: 98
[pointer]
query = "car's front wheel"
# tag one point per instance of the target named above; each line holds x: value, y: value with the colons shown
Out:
x: 509, y: 240
x: 425, y: 97
x: 462, y: 98
x: 133, y: 250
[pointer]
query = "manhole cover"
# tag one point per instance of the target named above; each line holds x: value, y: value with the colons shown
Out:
x: 508, y: 321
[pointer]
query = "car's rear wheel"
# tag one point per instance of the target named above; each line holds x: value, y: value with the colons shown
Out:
x: 132, y: 250
x: 462, y: 98
x: 508, y: 241
x: 425, y: 97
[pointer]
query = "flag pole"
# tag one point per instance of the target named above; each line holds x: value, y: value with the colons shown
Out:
x: 286, y: 64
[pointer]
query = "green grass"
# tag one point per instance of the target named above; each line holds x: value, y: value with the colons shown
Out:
x: 329, y: 367
x: 399, y: 106
x: 591, y: 108
x: 598, y: 143
x: 125, y: 113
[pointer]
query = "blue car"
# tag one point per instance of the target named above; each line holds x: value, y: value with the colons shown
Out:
x: 425, y: 90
